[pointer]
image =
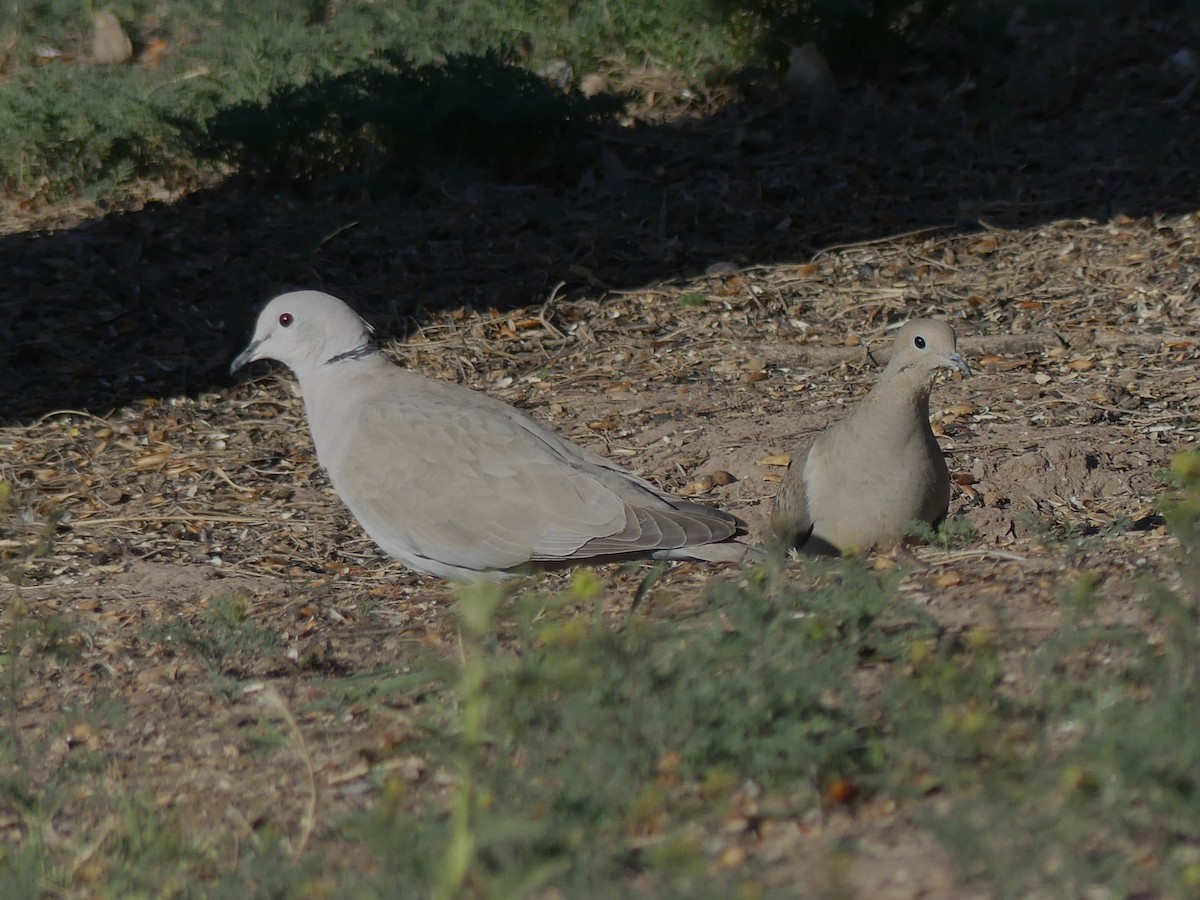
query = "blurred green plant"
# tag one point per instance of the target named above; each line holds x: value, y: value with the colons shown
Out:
x: 28, y: 533
x: 1072, y: 766
x: 1181, y: 509
x: 953, y: 533
x: 576, y: 735
x: 225, y: 639
x: 476, y: 606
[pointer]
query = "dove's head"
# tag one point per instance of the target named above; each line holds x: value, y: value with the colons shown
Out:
x: 921, y: 348
x: 306, y: 329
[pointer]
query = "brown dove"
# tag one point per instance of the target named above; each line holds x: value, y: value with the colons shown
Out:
x: 457, y: 484
x: 862, y: 480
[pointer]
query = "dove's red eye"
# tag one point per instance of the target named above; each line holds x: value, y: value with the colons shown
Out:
x: 286, y: 320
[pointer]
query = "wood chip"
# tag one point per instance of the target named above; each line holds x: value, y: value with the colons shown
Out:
x: 985, y: 246
x: 701, y: 485
x: 152, y: 460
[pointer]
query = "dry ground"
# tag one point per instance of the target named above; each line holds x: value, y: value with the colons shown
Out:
x: 169, y: 504
x: 697, y: 333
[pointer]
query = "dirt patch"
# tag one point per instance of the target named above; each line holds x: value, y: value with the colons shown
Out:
x: 168, y: 509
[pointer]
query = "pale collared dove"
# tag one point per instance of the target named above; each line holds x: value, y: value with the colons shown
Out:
x: 862, y: 480
x: 458, y: 484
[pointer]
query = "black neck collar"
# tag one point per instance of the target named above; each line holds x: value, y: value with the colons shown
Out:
x: 367, y: 348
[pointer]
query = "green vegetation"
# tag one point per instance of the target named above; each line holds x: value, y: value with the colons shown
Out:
x: 357, y: 80
x: 224, y: 639
x: 29, y: 533
x: 1064, y: 767
x: 1082, y: 776
x: 1182, y: 512
x: 590, y: 754
x: 597, y: 734
x: 584, y: 754
x: 954, y: 532
x: 314, y: 88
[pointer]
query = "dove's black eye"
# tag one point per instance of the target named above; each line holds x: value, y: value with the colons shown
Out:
x: 286, y: 320
x: 918, y: 342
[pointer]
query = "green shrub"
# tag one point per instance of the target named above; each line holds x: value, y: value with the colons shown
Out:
x: 593, y: 734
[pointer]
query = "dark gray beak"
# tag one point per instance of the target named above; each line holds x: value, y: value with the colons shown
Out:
x: 953, y: 360
x: 246, y: 356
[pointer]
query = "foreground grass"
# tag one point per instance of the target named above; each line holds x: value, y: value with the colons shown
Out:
x: 602, y: 757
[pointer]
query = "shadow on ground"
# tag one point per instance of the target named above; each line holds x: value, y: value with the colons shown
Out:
x: 1069, y: 121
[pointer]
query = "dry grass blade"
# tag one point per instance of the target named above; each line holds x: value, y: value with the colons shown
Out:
x: 272, y: 699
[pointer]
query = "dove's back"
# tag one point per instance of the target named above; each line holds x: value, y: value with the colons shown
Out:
x: 457, y: 484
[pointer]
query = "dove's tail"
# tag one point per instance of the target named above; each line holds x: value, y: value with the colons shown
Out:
x: 727, y: 551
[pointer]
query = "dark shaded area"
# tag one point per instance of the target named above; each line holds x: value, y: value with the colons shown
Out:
x: 482, y: 115
x: 1081, y: 117
x: 872, y: 37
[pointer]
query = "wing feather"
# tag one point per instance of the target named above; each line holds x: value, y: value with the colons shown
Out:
x: 462, y: 479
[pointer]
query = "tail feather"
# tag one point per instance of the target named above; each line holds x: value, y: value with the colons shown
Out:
x: 727, y: 551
